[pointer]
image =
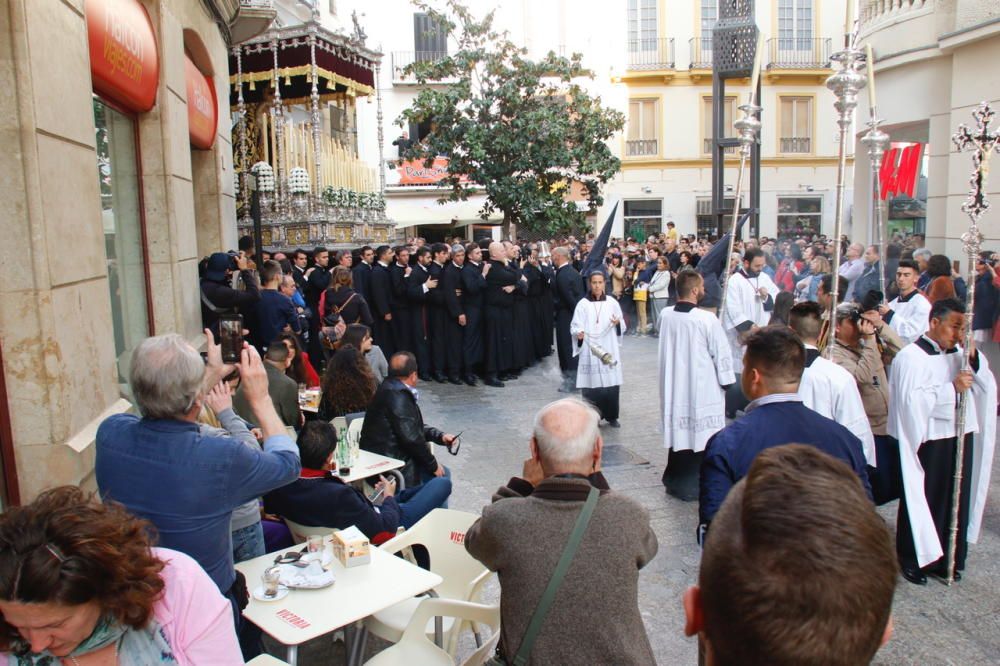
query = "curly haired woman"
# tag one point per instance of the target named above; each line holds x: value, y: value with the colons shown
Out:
x: 348, y: 384
x: 81, y: 585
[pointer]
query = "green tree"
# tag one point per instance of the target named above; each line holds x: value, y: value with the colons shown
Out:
x: 523, y: 130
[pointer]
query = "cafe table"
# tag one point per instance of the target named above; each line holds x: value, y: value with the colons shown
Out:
x: 370, y: 464
x: 358, y: 592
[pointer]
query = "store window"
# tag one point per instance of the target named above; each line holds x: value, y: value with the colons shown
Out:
x: 642, y: 128
x: 643, y: 218
x: 795, y: 125
x: 798, y: 216
x: 728, y: 112
x: 121, y: 213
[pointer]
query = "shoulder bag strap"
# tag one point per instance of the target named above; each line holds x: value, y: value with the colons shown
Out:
x: 535, y: 626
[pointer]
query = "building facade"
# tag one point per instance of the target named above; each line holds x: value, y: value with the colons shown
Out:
x: 667, y: 145
x: 118, y: 176
x: 935, y: 61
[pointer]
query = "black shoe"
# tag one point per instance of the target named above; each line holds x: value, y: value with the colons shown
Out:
x: 439, y: 378
x: 915, y: 576
x: 455, y: 380
x: 506, y: 377
x: 470, y: 380
x: 614, y: 423
x: 940, y: 573
x: 490, y: 381
x: 424, y: 377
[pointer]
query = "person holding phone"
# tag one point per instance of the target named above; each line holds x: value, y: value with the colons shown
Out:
x: 319, y: 498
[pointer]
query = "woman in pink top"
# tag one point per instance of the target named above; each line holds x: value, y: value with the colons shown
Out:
x: 80, y: 585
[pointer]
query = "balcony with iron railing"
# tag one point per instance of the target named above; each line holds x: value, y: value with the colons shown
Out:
x: 403, y: 59
x: 795, y: 145
x: 706, y: 147
x: 798, y: 53
x: 645, y: 54
x: 641, y: 147
x: 701, y: 52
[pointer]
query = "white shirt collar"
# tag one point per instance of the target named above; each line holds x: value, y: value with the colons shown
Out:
x: 771, y: 399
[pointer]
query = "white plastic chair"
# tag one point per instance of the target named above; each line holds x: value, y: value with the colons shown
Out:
x: 442, y: 533
x: 302, y: 532
x: 415, y: 648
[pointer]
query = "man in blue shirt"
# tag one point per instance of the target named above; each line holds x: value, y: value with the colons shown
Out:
x: 162, y: 469
x: 773, y: 365
x: 275, y: 312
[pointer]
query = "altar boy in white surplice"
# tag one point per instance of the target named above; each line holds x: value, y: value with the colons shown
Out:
x: 695, y: 366
x: 924, y: 383
x: 750, y: 297
x: 597, y: 330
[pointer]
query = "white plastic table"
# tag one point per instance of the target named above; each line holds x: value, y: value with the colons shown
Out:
x: 357, y: 593
x: 370, y: 464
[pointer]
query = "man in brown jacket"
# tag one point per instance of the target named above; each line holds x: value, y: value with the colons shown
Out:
x: 857, y: 351
x: 595, y: 617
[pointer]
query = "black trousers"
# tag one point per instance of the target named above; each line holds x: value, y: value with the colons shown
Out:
x: 564, y: 342
x: 604, y: 399
x: 937, y: 457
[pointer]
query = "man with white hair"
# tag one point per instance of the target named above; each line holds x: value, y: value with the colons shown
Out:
x: 162, y: 469
x: 852, y: 268
x: 595, y: 617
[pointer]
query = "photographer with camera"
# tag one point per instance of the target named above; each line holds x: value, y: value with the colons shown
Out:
x: 218, y: 296
x: 856, y: 349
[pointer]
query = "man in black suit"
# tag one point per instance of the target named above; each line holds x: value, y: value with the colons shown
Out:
x: 501, y: 281
x: 299, y: 262
x: 420, y: 284
x: 567, y: 293
x: 317, y: 281
x: 399, y: 304
x: 380, y: 303
x: 456, y: 321
x: 437, y: 315
x: 362, y: 273
x: 473, y: 293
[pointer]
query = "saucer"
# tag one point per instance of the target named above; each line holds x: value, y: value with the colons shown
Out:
x: 258, y: 593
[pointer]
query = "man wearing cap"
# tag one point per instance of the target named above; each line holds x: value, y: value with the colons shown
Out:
x: 454, y: 305
x: 218, y: 297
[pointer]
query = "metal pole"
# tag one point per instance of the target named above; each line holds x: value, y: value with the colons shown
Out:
x: 983, y: 143
x: 845, y: 85
x: 876, y: 141
x: 748, y: 126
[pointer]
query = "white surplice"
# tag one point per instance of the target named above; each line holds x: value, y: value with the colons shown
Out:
x: 922, y: 406
x: 910, y: 316
x: 743, y: 303
x: 594, y: 319
x: 830, y: 390
x: 695, y: 363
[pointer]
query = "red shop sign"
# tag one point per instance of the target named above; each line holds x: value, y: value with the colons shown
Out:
x: 900, y: 169
x: 413, y: 172
x: 203, y: 111
x: 124, y: 64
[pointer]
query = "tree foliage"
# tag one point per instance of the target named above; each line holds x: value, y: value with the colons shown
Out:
x: 523, y: 130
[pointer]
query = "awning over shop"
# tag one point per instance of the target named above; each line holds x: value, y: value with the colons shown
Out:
x: 411, y: 212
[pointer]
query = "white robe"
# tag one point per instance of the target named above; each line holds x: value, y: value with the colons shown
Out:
x: 695, y: 363
x: 744, y: 304
x: 910, y: 318
x: 830, y: 390
x: 594, y: 319
x: 922, y: 405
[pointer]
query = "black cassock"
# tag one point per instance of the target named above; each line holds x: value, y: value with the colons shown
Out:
x: 540, y: 302
x: 498, y: 324
x: 437, y: 320
x: 567, y: 292
x: 524, y: 347
x: 380, y: 288
x: 473, y: 296
x: 418, y: 316
x: 402, y: 325
x: 451, y: 291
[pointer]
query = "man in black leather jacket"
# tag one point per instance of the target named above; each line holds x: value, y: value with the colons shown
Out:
x: 394, y: 426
